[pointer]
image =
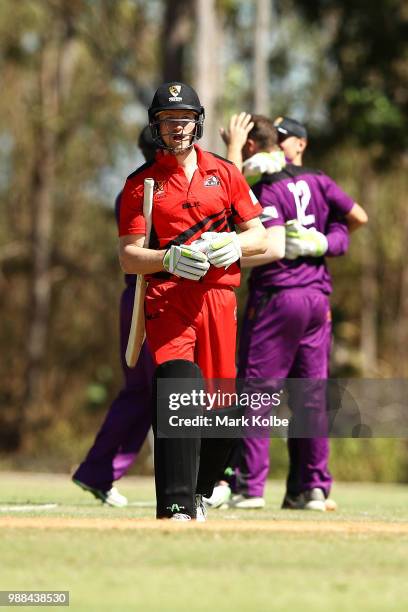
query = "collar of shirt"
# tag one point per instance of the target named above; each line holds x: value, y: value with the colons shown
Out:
x: 205, y: 161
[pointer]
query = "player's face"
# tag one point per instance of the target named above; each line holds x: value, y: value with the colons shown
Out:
x: 177, y: 128
x: 293, y: 148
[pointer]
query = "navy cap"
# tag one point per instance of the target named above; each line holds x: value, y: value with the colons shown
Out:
x: 289, y: 127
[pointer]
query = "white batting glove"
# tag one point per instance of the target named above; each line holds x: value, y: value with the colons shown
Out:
x: 224, y: 248
x: 186, y: 262
x: 303, y: 242
x: 203, y: 243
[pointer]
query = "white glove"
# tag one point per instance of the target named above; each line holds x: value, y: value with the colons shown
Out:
x: 186, y: 262
x: 223, y: 249
x: 203, y: 243
x: 303, y: 242
x: 262, y: 163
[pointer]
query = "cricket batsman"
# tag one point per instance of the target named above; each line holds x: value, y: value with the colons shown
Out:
x: 190, y: 306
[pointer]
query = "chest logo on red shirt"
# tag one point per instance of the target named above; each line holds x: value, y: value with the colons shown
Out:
x: 158, y: 187
x: 212, y: 181
x: 190, y: 205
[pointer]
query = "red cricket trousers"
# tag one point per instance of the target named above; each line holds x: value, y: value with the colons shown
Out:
x: 192, y: 321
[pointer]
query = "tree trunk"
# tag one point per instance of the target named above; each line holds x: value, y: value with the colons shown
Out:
x: 369, y: 282
x: 57, y: 64
x: 400, y: 366
x: 261, y: 56
x: 176, y: 35
x: 42, y: 220
x: 207, y: 68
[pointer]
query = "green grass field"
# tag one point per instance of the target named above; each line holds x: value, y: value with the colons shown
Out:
x: 209, y: 566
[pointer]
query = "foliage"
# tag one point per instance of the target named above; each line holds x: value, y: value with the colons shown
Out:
x: 369, y: 49
x: 77, y: 77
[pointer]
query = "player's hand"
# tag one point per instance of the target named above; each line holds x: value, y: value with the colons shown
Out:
x: 203, y: 243
x: 223, y: 249
x: 238, y: 129
x: 303, y: 242
x: 186, y: 262
x: 262, y: 163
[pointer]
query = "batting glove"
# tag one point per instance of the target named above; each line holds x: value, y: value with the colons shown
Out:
x: 186, y: 262
x: 203, y: 243
x: 223, y: 249
x: 303, y: 242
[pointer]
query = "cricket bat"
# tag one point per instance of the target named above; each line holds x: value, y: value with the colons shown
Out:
x: 137, y: 328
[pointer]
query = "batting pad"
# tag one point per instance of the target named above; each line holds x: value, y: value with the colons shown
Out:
x: 176, y: 460
x: 214, y: 455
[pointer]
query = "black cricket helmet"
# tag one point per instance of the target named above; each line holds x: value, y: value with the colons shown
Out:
x: 175, y: 96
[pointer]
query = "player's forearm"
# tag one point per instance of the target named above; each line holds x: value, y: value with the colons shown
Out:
x: 356, y: 218
x: 275, y: 250
x: 236, y: 136
x: 138, y: 260
x: 234, y: 154
x: 253, y: 241
x: 271, y: 254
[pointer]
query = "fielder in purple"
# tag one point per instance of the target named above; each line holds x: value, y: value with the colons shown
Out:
x: 127, y: 422
x: 129, y: 418
x: 287, y: 323
x: 293, y: 325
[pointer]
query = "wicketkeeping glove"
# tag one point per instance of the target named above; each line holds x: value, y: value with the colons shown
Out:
x: 223, y: 249
x: 303, y: 242
x: 254, y: 167
x: 186, y: 262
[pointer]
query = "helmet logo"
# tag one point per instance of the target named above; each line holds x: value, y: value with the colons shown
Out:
x: 175, y: 90
x: 277, y: 121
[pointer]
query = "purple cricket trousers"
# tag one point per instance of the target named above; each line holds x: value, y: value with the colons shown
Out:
x: 286, y: 334
x: 129, y: 417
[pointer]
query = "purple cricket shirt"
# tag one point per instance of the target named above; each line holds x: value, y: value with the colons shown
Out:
x: 314, y: 200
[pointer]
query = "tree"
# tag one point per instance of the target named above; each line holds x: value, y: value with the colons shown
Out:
x: 262, y: 33
x: 176, y: 36
x: 71, y: 69
x: 206, y: 73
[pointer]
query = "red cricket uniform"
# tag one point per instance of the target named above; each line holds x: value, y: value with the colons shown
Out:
x: 187, y: 319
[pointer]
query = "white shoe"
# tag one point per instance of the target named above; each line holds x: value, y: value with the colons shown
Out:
x: 111, y: 497
x: 246, y: 502
x: 116, y: 499
x: 219, y: 497
x: 312, y: 499
x: 201, y: 510
x: 179, y: 516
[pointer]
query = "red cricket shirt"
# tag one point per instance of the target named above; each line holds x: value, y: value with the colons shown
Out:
x: 217, y: 199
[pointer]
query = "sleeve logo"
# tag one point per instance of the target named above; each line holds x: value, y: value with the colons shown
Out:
x: 253, y: 197
x: 269, y: 212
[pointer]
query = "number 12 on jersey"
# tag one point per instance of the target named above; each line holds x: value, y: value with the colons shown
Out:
x: 302, y: 196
